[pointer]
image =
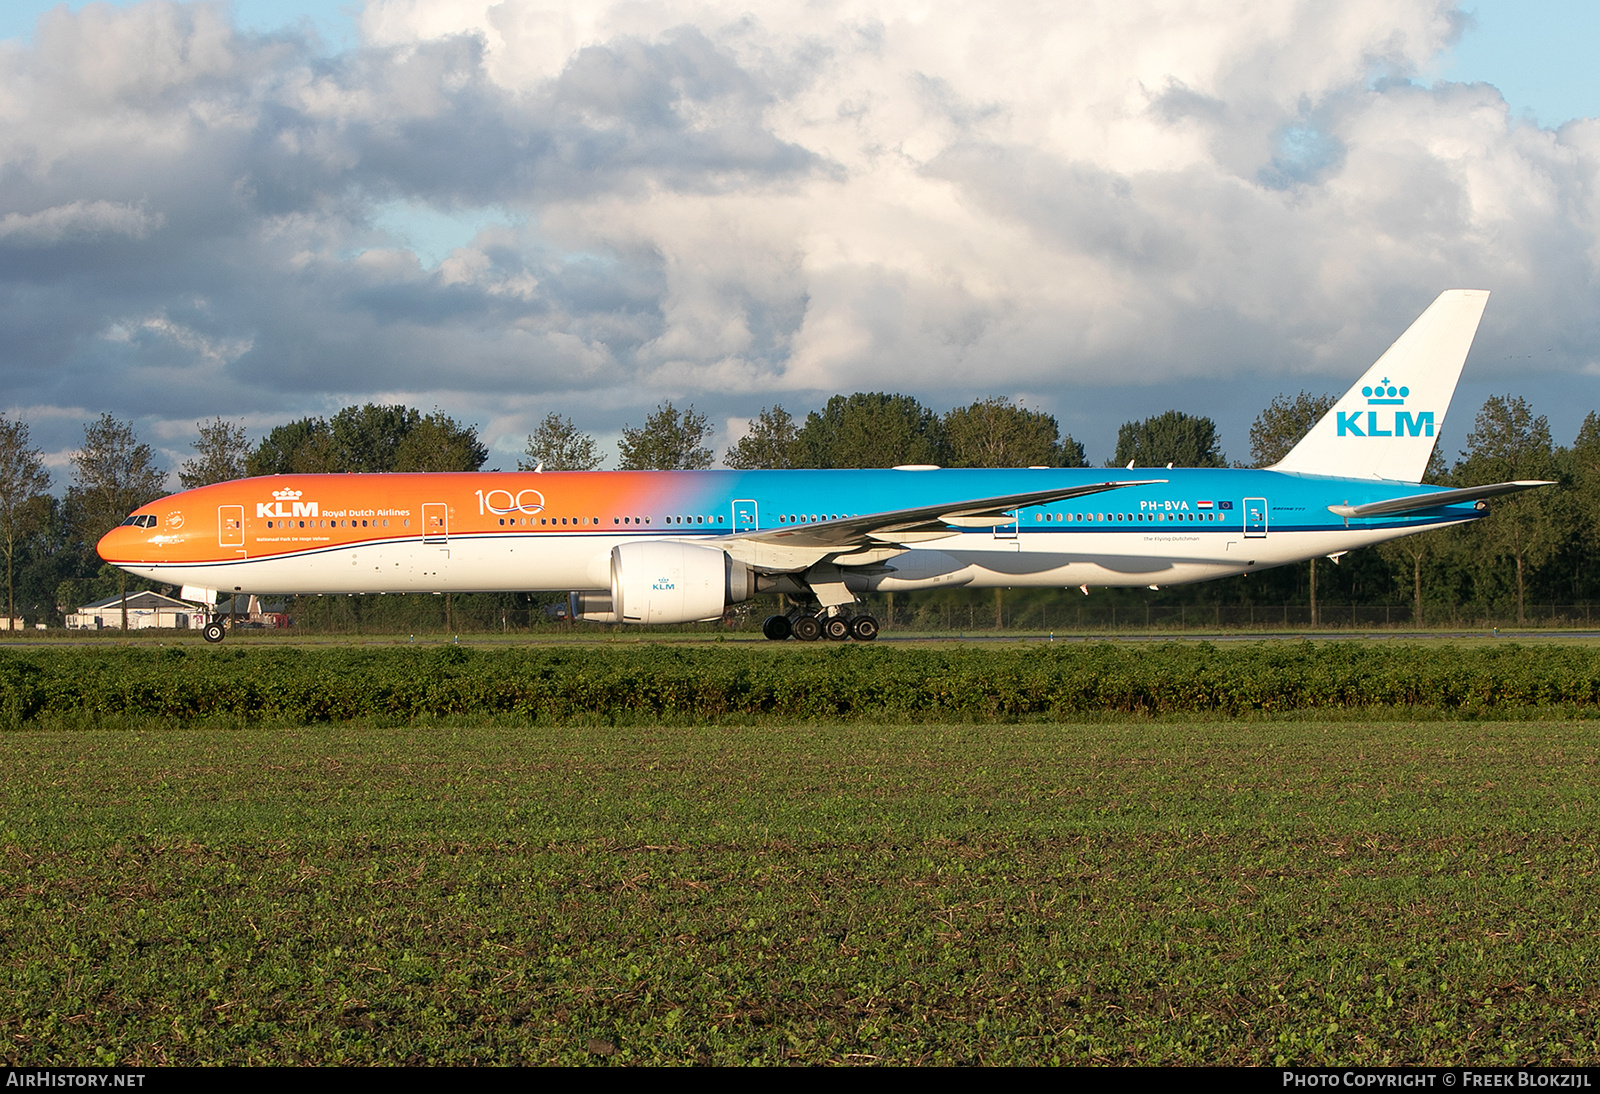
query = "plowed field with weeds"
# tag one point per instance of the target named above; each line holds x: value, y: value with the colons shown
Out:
x: 1141, y: 891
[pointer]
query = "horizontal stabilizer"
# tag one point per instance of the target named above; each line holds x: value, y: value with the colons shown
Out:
x: 1417, y: 502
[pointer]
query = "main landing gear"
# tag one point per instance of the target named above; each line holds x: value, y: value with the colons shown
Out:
x: 808, y: 627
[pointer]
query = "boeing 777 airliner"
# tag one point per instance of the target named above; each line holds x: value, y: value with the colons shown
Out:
x: 680, y: 546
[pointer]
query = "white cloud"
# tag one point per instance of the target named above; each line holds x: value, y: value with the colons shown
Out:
x: 78, y: 220
x: 1066, y: 193
x: 210, y: 351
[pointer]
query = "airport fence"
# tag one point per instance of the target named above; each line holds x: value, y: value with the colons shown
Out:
x: 1129, y: 618
x: 468, y: 615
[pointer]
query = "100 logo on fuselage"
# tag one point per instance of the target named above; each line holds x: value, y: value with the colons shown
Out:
x: 488, y: 502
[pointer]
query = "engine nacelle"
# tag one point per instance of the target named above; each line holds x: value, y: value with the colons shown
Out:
x: 664, y: 581
x: 591, y: 607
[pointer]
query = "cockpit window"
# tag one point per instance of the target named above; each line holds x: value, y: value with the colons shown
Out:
x: 140, y: 520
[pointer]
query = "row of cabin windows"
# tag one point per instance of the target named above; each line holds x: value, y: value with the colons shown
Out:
x: 331, y: 524
x: 1202, y: 517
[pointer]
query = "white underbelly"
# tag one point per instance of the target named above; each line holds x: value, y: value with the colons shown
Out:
x: 461, y: 564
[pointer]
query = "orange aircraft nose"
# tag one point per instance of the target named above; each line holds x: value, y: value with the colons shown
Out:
x: 121, y: 544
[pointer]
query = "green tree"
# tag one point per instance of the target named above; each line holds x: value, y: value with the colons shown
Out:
x: 1509, y: 442
x: 668, y: 441
x: 23, y: 479
x: 370, y: 439
x: 367, y: 439
x: 997, y: 433
x: 1584, y: 461
x: 45, y: 555
x: 303, y: 447
x: 1180, y: 439
x: 871, y: 430
x: 112, y: 475
x: 768, y: 445
x: 221, y: 451
x: 1283, y: 424
x: 440, y: 443
x: 1588, y: 442
x: 559, y: 445
x: 1409, y: 551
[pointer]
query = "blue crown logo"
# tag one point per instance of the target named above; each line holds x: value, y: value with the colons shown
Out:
x: 1386, y: 394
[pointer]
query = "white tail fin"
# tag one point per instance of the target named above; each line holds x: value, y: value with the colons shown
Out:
x: 1386, y: 425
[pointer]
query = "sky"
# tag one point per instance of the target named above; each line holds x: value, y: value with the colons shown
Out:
x: 1102, y: 209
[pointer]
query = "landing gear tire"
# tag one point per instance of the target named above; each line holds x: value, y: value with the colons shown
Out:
x: 213, y: 632
x: 777, y: 628
x: 806, y: 628
x: 863, y: 628
x: 836, y: 628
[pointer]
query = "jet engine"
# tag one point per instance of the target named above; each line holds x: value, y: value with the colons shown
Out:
x: 662, y: 581
x: 591, y: 607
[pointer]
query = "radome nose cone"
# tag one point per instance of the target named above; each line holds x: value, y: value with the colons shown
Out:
x: 113, y: 546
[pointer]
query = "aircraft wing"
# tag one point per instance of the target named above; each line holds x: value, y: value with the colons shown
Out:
x: 798, y: 545
x: 1416, y: 502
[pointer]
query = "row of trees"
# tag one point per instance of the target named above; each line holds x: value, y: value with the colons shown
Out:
x: 879, y: 429
x: 860, y: 430
x: 1536, y: 546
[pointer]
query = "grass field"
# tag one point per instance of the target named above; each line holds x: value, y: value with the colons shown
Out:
x: 1132, y: 892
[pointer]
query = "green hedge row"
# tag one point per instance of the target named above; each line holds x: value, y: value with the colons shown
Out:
x: 791, y: 681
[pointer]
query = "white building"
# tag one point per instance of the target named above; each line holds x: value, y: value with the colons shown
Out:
x: 145, y: 610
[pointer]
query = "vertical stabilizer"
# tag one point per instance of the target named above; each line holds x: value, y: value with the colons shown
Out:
x: 1386, y: 425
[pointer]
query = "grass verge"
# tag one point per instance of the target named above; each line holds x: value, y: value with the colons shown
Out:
x: 628, y: 684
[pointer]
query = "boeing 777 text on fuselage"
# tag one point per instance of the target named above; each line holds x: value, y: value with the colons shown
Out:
x: 680, y: 546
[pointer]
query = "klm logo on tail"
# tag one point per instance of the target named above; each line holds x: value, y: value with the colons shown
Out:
x: 1397, y: 442
x: 1370, y: 423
